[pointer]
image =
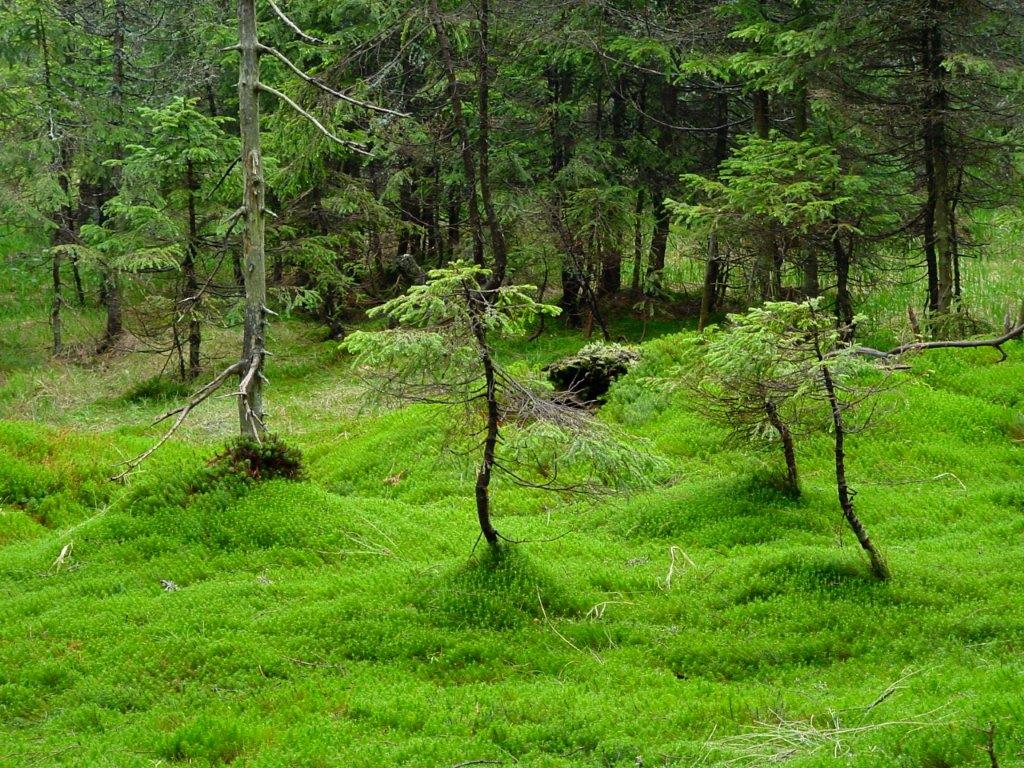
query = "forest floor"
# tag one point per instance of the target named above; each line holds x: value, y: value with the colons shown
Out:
x: 345, y: 619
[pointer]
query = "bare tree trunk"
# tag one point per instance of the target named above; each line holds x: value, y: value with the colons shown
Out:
x: 638, y: 242
x: 761, y: 116
x: 465, y: 147
x: 659, y: 237
x: 669, y: 94
x: 792, y: 477
x: 188, y: 268
x: 112, y: 276
x: 767, y: 267
x: 62, y: 230
x: 938, y: 104
x: 811, y: 282
x: 454, y: 210
x: 713, y: 269
x: 878, y: 564
x: 844, y: 301
x: 56, y: 326
x: 499, y: 250
x: 250, y: 404
x: 76, y: 276
x: 478, y: 304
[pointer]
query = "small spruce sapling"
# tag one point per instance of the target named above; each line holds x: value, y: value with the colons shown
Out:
x: 769, y: 373
x: 440, y: 351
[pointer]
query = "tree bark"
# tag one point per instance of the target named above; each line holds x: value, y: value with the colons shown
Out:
x: 254, y: 276
x: 811, y: 283
x: 665, y: 142
x: 788, y: 450
x: 188, y: 268
x: 499, y: 250
x: 878, y: 565
x: 938, y: 104
x: 62, y: 234
x: 713, y: 268
x: 461, y: 131
x: 638, y: 242
x: 477, y: 305
x: 844, y: 301
x: 767, y: 266
x: 112, y: 277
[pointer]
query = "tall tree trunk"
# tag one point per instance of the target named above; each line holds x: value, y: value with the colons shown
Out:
x: 435, y: 248
x: 56, y: 326
x: 938, y: 104
x: 659, y: 237
x: 454, y: 225
x: 499, y: 250
x: 761, y: 115
x: 669, y: 93
x: 610, y: 281
x: 767, y: 266
x: 250, y: 402
x: 62, y: 234
x: 809, y: 261
x: 638, y: 242
x: 713, y: 268
x: 188, y: 268
x: 112, y: 276
x: 461, y: 131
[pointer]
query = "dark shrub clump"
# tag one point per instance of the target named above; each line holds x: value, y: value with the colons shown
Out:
x: 588, y: 374
x: 247, y: 458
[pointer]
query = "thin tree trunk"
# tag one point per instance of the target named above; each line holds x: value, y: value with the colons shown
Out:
x: 767, y: 266
x: 478, y: 304
x: 62, y: 230
x: 250, y: 403
x: 454, y: 206
x: 878, y: 564
x: 56, y: 327
x: 465, y: 147
x: 112, y: 277
x: 188, y: 268
x: 76, y: 276
x: 638, y: 242
x: 811, y: 282
x: 786, y: 437
x: 499, y: 250
x: 936, y: 120
x: 713, y: 268
x: 844, y: 301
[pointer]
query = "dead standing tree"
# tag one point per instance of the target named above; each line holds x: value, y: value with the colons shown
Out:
x: 252, y: 213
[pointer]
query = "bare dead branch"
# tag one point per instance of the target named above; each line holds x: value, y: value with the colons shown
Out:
x: 292, y: 25
x: 316, y: 123
x: 918, y: 346
x: 326, y: 88
x: 182, y: 413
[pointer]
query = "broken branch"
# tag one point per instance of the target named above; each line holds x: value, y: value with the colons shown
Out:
x: 319, y: 126
x: 293, y: 26
x: 326, y: 88
x: 182, y: 413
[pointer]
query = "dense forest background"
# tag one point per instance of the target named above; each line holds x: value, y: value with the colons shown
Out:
x: 623, y: 157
